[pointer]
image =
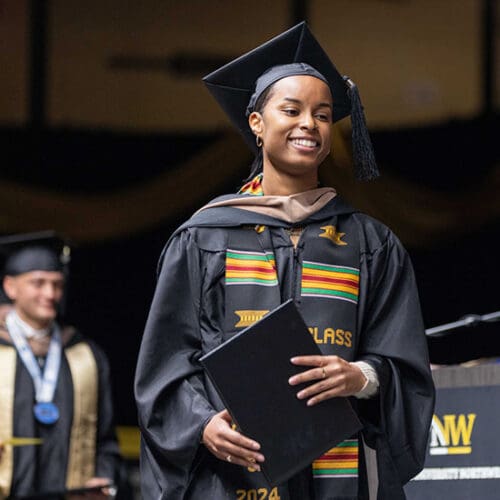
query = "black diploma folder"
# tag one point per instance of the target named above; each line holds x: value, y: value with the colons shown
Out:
x: 250, y: 372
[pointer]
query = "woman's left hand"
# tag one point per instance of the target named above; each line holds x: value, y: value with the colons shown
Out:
x: 330, y: 377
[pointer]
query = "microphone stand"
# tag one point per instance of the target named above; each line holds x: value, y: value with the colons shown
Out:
x: 468, y: 320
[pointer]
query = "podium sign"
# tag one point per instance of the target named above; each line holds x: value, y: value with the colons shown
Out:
x: 463, y: 452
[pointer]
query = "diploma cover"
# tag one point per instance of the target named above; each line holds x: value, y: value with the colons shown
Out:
x: 250, y: 372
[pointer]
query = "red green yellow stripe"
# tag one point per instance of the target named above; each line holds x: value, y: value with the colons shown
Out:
x: 250, y: 268
x: 334, y: 282
x: 253, y: 187
x: 341, y: 461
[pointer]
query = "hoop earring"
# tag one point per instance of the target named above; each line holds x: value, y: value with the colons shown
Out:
x: 258, y: 141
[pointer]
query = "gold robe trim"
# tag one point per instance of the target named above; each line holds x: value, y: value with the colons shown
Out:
x: 8, y: 357
x: 82, y: 448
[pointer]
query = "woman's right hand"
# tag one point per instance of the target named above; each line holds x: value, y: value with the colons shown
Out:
x: 228, y: 444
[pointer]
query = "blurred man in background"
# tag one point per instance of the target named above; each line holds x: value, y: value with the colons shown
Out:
x: 56, y: 418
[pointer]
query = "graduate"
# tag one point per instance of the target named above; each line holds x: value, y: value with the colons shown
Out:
x: 242, y: 255
x: 56, y: 418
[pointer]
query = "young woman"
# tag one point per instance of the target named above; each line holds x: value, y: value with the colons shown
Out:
x: 283, y: 237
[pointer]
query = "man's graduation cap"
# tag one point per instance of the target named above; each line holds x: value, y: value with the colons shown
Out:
x: 39, y: 251
x: 234, y: 88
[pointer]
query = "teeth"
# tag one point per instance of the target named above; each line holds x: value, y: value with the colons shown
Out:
x: 305, y: 142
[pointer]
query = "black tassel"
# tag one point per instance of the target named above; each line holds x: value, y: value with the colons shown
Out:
x: 365, y: 165
x: 256, y: 167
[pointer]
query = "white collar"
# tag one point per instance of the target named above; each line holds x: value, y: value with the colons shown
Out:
x: 28, y: 331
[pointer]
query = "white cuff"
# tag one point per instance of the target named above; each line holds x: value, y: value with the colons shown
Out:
x: 372, y: 383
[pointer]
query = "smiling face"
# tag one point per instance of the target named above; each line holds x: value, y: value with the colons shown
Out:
x: 36, y: 296
x: 295, y: 128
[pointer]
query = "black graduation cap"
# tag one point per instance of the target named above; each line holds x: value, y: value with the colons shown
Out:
x: 38, y: 251
x: 234, y: 84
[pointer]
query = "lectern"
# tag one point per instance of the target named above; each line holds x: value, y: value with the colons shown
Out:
x: 463, y: 452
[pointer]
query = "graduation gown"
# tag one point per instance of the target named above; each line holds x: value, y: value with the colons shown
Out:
x: 41, y: 468
x: 374, y: 315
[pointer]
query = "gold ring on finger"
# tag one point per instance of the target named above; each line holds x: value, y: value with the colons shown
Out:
x: 324, y: 371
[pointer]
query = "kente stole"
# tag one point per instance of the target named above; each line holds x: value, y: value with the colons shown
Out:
x: 322, y: 275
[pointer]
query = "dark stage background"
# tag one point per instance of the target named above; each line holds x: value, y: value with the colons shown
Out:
x: 112, y: 281
x: 108, y: 136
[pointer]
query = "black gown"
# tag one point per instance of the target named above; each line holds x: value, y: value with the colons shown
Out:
x: 41, y: 468
x: 193, y: 311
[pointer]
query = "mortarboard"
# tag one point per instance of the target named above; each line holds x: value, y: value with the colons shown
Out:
x: 38, y: 251
x: 234, y: 84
